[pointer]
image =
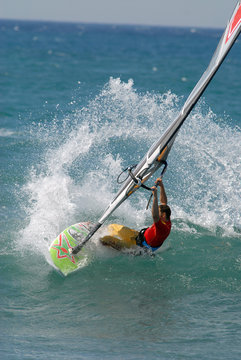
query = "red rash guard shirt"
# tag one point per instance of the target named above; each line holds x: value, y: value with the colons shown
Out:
x: 156, y: 234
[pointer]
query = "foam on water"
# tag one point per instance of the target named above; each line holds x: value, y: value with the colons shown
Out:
x: 207, y: 159
x: 85, y: 152
x: 6, y: 132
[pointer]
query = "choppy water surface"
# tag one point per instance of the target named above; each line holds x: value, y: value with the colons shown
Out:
x: 79, y: 103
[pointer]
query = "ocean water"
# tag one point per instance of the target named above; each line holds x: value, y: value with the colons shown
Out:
x: 78, y: 104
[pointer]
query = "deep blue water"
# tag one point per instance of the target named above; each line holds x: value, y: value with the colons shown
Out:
x: 78, y: 104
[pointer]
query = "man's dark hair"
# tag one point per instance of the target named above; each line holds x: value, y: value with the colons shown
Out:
x: 165, y: 209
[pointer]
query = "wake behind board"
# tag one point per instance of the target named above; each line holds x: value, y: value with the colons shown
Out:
x: 65, y: 262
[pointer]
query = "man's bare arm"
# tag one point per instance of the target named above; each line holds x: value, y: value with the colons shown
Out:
x: 155, y: 210
x: 163, y: 196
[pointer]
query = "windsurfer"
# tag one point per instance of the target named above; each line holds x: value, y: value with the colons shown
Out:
x: 154, y: 236
x: 150, y: 239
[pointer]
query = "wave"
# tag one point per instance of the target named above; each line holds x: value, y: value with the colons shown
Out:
x: 84, y: 152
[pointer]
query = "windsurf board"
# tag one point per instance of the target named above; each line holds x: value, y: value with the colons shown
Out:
x: 62, y: 260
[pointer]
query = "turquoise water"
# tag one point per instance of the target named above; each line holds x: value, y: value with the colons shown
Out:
x: 78, y: 104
